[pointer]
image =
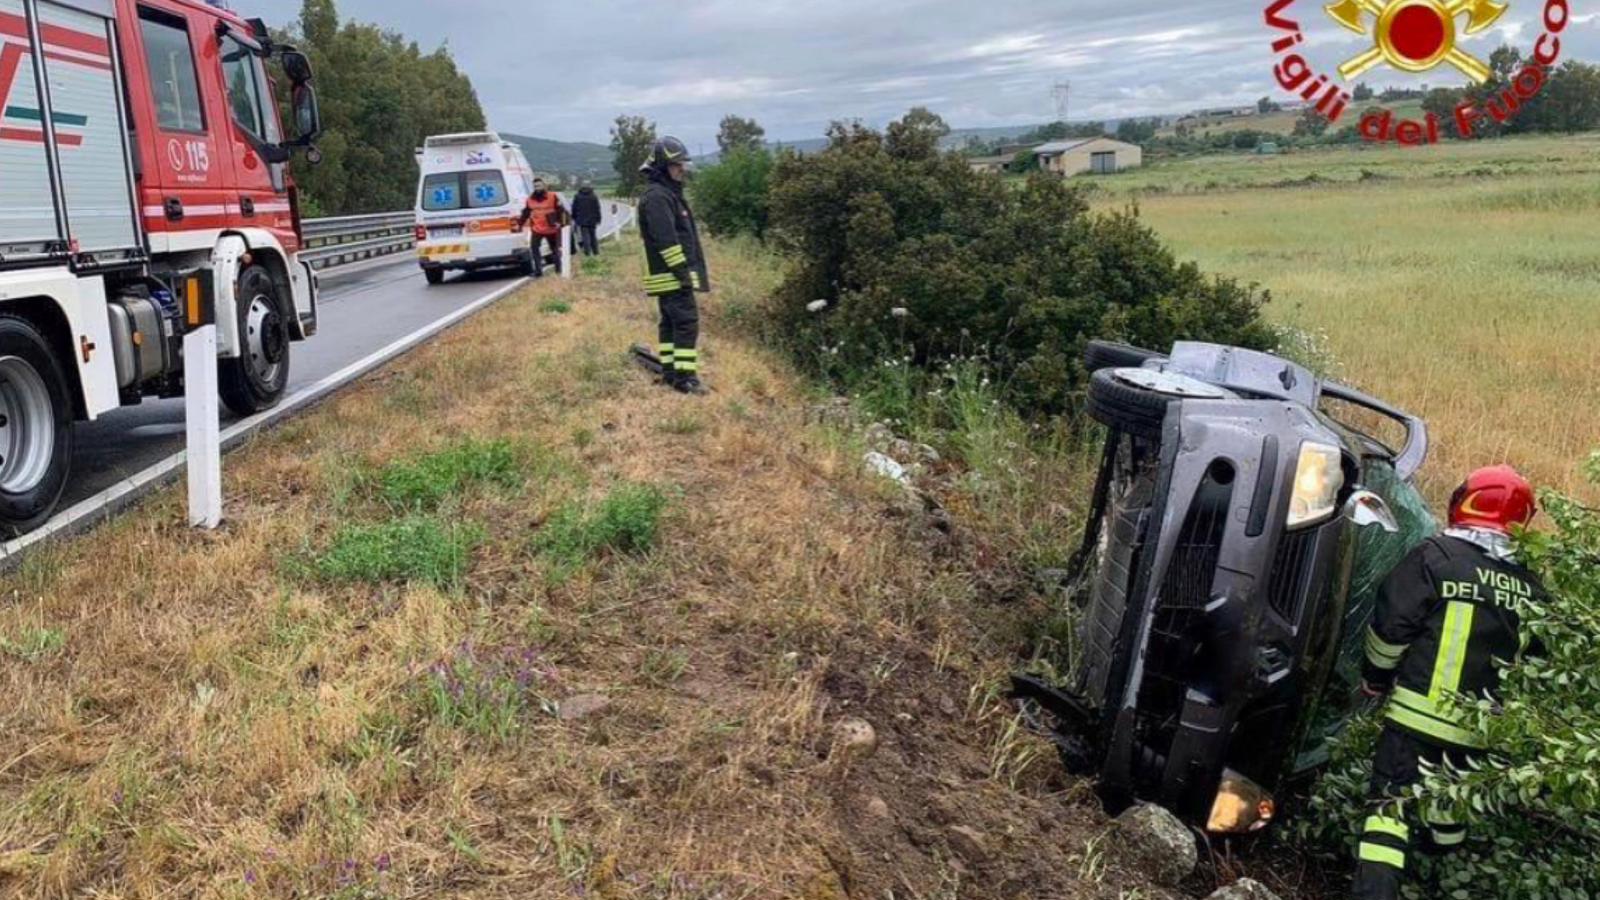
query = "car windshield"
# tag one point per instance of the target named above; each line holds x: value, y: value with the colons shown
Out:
x: 444, y: 191
x: 1377, y: 552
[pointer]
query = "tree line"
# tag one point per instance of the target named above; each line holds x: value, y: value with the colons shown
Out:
x: 380, y: 95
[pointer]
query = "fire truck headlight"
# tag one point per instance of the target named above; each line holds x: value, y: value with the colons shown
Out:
x: 1318, y: 479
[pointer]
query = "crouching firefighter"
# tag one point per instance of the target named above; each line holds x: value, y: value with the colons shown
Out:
x: 675, y: 266
x: 1447, y: 617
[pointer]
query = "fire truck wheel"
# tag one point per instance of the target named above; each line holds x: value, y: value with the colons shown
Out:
x: 255, y: 380
x: 35, y: 427
x: 1099, y: 355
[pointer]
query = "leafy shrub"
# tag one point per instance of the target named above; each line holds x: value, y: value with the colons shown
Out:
x: 419, y: 549
x: 423, y: 482
x: 730, y: 197
x: 917, y: 254
x: 625, y: 521
x: 1533, y: 806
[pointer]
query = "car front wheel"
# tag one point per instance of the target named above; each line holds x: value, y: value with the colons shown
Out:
x: 1134, y: 401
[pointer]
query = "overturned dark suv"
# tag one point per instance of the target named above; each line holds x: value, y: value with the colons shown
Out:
x: 1237, y: 535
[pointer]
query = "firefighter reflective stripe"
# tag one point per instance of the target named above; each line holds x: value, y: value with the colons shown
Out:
x: 1444, y: 828
x: 1377, y: 853
x: 1449, y: 837
x: 1452, y: 650
x: 694, y: 277
x: 674, y: 256
x: 1381, y: 653
x: 1422, y: 715
x: 1386, y: 825
x: 665, y: 354
x: 687, y: 360
x: 661, y: 284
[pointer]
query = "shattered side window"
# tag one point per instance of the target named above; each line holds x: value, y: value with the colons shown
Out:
x: 1376, y: 553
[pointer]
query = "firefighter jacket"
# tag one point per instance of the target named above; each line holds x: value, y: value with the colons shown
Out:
x: 672, y: 255
x: 1447, y: 617
x: 546, y: 213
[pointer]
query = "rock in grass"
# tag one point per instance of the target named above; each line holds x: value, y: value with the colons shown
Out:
x: 854, y: 740
x: 581, y: 706
x: 969, y: 843
x: 1243, y: 889
x: 1154, y: 841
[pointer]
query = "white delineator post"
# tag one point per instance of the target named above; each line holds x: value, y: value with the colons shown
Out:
x: 201, y: 411
x: 566, y: 251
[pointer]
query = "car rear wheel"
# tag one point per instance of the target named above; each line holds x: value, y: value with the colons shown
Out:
x: 1134, y: 401
x: 35, y: 427
x: 1099, y: 355
x: 255, y: 380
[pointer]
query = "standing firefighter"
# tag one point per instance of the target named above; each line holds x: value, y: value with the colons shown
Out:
x: 1446, y: 618
x: 675, y: 267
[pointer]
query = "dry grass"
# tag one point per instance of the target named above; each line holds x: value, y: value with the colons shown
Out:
x: 1458, y: 282
x: 219, y: 720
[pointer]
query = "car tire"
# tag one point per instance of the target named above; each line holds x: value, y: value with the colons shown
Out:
x: 434, y: 276
x: 1126, y: 407
x: 1099, y: 355
x: 35, y: 427
x: 255, y: 380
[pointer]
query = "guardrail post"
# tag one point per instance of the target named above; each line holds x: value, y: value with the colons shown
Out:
x: 202, y: 416
x: 567, y: 254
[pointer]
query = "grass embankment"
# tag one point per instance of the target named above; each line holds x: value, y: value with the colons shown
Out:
x: 507, y: 620
x: 1458, y: 281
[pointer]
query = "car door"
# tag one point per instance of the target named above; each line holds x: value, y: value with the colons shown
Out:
x: 262, y: 199
x: 180, y: 125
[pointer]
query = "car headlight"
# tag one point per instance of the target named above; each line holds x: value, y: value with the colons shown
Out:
x: 1241, y: 806
x: 1318, y: 478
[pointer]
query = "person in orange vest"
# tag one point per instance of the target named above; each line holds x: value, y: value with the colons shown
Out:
x: 547, y: 215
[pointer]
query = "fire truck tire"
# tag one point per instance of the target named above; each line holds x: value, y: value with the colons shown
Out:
x: 1099, y: 355
x: 256, y: 379
x: 35, y: 427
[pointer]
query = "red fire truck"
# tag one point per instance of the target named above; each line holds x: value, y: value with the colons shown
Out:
x: 140, y: 143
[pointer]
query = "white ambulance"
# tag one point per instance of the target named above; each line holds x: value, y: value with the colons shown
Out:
x: 472, y: 191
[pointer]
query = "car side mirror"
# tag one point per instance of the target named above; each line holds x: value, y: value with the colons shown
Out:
x: 1364, y: 508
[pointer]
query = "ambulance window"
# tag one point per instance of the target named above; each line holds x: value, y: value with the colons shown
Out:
x: 170, y: 58
x: 486, y: 189
x: 244, y: 90
x: 441, y: 192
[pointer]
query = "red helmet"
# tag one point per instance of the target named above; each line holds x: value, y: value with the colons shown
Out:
x: 1494, y: 497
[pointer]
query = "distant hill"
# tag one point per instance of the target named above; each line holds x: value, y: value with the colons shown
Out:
x: 572, y: 158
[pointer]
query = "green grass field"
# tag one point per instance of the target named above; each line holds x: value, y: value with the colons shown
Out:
x: 1461, y: 281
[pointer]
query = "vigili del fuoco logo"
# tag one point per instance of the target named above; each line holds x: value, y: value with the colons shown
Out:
x: 1412, y: 36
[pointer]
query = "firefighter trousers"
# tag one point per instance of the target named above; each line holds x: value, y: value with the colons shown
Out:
x: 680, y: 334
x: 1387, y: 842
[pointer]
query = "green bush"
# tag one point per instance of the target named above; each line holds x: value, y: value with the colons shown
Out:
x: 915, y: 254
x: 423, y: 482
x: 730, y: 198
x: 625, y: 521
x: 1533, y: 806
x: 417, y: 549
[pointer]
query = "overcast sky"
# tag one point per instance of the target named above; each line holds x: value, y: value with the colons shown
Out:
x: 564, y: 70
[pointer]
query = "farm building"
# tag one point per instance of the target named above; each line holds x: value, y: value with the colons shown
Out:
x: 1101, y: 156
x: 992, y: 164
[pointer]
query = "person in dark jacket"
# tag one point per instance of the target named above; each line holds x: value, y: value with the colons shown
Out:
x: 1446, y: 619
x: 675, y: 265
x: 586, y: 216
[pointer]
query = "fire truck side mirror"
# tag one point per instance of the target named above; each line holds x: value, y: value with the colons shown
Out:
x: 297, y: 67
x: 307, y: 115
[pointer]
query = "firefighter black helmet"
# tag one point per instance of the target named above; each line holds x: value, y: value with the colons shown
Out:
x: 665, y: 152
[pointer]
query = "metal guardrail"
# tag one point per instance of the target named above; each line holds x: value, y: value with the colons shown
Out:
x: 345, y: 240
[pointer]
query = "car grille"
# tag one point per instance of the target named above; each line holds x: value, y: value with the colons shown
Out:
x: 1290, y: 566
x: 1187, y: 584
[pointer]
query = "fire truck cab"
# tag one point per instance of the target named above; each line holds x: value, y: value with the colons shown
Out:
x: 140, y: 143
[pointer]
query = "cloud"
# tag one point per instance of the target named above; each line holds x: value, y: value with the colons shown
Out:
x: 565, y: 70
